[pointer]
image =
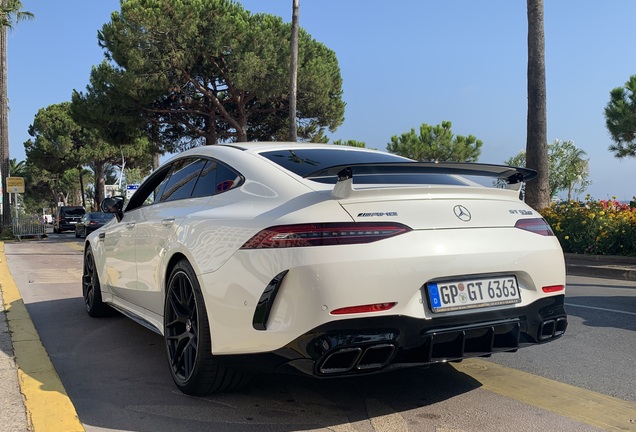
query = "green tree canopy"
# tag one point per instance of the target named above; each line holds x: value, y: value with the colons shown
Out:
x: 57, y: 139
x: 11, y: 12
x: 60, y: 145
x: 209, y: 71
x: 17, y: 169
x: 436, y: 144
x: 620, y: 119
x: 568, y: 167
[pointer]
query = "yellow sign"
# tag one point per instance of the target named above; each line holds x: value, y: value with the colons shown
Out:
x: 15, y: 184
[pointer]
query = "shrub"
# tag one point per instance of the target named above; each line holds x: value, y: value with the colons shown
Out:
x: 605, y: 227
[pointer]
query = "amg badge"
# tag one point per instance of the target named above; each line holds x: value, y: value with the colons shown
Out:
x: 377, y: 214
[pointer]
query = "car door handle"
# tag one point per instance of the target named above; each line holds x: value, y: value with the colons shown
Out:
x: 167, y: 222
x: 130, y: 225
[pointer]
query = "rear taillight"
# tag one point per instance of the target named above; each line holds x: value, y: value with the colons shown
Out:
x: 536, y: 225
x: 323, y: 234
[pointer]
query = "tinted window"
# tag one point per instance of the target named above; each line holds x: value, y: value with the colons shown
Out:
x: 207, y: 180
x: 215, y: 178
x: 72, y: 211
x: 101, y: 216
x: 146, y: 193
x: 306, y: 161
x: 226, y: 179
x: 182, y: 178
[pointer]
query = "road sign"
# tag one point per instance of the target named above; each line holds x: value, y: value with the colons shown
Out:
x: 130, y: 190
x: 15, y: 184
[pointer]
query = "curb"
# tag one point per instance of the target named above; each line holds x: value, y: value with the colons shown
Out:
x: 47, y: 404
x: 602, y: 266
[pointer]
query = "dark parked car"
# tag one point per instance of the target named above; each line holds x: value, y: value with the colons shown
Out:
x: 90, y: 222
x: 67, y: 217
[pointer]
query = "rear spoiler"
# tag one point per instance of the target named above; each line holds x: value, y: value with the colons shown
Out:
x: 513, y: 176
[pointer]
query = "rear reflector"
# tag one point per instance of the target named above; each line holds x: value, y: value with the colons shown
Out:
x: 378, y: 307
x: 536, y: 225
x: 323, y: 234
x: 553, y: 288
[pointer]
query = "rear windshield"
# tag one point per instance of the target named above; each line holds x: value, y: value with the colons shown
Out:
x: 306, y: 161
x: 102, y: 216
x: 72, y: 211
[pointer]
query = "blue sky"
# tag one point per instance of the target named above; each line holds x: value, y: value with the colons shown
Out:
x: 402, y: 63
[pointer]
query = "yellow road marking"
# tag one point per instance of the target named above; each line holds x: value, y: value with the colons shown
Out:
x: 384, y: 418
x: 47, y: 403
x: 576, y: 403
x: 76, y: 246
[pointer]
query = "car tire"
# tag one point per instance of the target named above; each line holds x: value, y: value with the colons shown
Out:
x: 193, y: 367
x: 91, y: 289
x: 77, y: 234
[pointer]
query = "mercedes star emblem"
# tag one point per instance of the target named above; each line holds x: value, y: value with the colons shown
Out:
x: 462, y: 213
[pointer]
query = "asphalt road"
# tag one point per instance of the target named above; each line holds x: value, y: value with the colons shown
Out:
x: 117, y: 378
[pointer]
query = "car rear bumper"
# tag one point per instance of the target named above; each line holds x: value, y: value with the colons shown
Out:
x: 369, y: 345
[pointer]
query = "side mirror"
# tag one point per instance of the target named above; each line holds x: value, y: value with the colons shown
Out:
x: 113, y: 205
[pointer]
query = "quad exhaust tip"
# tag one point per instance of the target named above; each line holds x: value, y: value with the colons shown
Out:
x: 357, y: 358
x: 552, y: 328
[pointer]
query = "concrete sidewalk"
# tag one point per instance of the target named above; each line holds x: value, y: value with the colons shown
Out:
x: 14, y: 416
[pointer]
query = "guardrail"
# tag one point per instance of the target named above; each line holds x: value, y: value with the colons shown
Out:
x: 27, y: 226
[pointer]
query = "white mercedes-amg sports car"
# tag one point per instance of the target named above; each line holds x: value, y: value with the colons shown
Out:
x: 325, y: 260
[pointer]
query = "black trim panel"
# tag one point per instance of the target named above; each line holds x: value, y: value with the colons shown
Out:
x: 265, y: 303
x: 369, y: 345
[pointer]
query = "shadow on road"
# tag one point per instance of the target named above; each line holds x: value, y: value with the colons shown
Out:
x: 622, y: 308
x: 116, y: 373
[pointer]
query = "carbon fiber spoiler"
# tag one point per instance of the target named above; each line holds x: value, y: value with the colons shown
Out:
x: 510, y: 174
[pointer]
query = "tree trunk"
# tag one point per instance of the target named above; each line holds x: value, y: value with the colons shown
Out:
x: 81, y: 181
x: 537, y: 191
x: 293, y: 132
x: 4, y: 126
x: 98, y: 169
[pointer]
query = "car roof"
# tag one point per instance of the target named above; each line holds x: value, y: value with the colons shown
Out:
x: 260, y: 147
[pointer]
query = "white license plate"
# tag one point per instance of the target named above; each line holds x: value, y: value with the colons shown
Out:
x: 473, y: 293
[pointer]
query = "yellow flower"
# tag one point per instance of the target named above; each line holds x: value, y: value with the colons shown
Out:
x: 567, y: 237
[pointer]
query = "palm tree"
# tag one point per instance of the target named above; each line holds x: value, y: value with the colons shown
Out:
x: 17, y: 169
x: 537, y: 191
x: 10, y: 13
x: 293, y: 131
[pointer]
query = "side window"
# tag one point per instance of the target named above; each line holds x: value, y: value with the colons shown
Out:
x: 226, y: 179
x: 215, y: 178
x: 207, y: 180
x: 182, y: 178
x: 146, y: 192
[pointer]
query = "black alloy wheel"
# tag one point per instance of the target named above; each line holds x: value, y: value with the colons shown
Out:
x: 194, y: 369
x: 91, y: 289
